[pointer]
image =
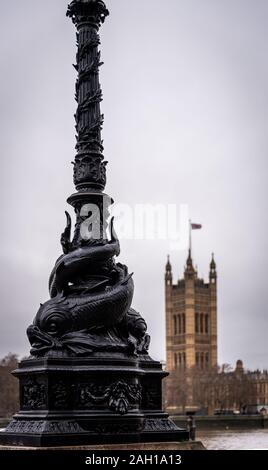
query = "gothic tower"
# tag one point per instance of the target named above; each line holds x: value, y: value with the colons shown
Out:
x: 191, y: 318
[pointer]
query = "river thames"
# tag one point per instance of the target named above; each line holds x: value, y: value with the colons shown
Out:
x: 234, y: 439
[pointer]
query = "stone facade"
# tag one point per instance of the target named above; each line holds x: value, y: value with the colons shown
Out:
x: 191, y: 323
x: 196, y: 383
x: 191, y: 319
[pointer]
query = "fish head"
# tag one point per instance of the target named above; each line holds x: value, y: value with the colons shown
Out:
x: 54, y: 319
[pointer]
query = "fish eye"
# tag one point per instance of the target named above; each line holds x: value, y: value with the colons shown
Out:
x: 52, y: 326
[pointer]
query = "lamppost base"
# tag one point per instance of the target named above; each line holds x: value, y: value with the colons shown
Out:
x: 101, y: 400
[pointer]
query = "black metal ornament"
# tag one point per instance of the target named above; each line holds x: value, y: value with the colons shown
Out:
x: 89, y: 379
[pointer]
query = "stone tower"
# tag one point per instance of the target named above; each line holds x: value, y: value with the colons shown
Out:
x: 191, y: 318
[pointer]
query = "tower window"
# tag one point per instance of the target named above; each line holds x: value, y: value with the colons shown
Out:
x: 175, y: 325
x: 207, y: 359
x: 197, y: 359
x: 201, y: 323
x: 197, y: 322
x: 184, y: 360
x: 206, y: 324
x: 179, y: 318
x: 202, y: 360
x: 183, y: 324
x: 175, y: 361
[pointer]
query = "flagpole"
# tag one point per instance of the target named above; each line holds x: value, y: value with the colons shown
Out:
x: 190, y: 236
x: 192, y: 227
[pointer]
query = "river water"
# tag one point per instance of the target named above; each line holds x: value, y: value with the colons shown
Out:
x: 234, y: 439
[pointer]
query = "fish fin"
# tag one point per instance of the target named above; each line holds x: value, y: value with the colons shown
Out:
x: 125, y: 281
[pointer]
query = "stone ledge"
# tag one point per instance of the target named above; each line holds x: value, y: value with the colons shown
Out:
x: 153, y: 446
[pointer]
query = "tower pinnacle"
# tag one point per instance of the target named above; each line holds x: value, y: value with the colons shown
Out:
x: 213, y: 270
x: 189, y: 270
x: 168, y: 275
x: 168, y: 265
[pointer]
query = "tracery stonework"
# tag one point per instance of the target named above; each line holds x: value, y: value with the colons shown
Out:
x: 191, y: 326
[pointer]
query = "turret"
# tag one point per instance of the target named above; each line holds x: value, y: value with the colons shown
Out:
x: 189, y: 272
x: 168, y: 275
x: 213, y: 312
x: 239, y: 369
x: 213, y: 271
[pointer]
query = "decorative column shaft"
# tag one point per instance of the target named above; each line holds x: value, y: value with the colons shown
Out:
x: 89, y: 165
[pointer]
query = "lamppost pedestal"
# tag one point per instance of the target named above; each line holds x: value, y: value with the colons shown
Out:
x: 90, y: 401
x: 89, y: 379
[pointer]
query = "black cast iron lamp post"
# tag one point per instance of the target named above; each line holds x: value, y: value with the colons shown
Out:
x: 89, y: 378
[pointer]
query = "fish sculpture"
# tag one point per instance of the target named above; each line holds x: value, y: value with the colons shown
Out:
x: 90, y: 303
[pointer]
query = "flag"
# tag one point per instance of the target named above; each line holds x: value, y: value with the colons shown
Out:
x: 196, y: 226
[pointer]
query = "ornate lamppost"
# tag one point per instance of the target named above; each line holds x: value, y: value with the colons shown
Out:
x: 89, y: 379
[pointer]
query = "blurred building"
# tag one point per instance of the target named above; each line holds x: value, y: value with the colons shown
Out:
x: 196, y: 383
x: 191, y: 324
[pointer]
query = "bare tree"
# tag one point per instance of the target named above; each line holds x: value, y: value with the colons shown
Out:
x: 9, y: 388
x: 210, y: 389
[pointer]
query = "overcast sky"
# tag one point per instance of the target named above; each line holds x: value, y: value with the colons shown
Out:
x: 185, y: 86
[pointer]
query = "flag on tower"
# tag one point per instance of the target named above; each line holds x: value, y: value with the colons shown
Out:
x: 192, y: 227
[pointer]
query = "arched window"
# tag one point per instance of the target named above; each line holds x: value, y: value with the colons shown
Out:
x: 184, y: 360
x: 197, y: 322
x: 202, y: 360
x: 183, y: 324
x: 175, y: 325
x: 179, y: 321
x: 180, y: 360
x: 206, y: 324
x: 175, y: 361
x: 197, y: 359
x: 201, y: 323
x: 207, y: 360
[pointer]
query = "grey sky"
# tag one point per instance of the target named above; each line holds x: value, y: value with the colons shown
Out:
x: 185, y: 87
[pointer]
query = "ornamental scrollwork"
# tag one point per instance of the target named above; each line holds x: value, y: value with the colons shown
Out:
x: 34, y: 395
x: 119, y: 397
